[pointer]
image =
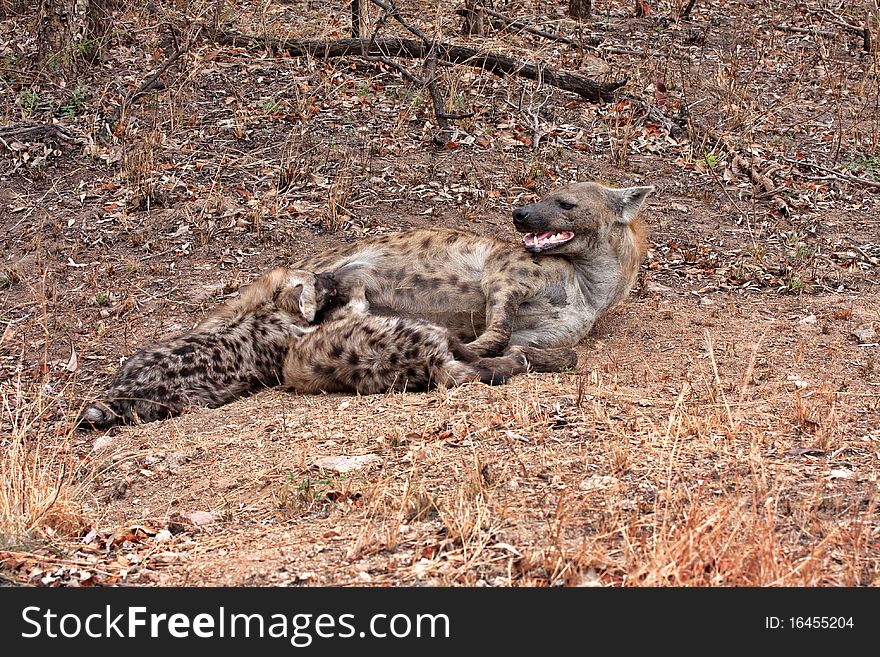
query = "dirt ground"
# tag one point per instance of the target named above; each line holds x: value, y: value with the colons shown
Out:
x: 722, y: 427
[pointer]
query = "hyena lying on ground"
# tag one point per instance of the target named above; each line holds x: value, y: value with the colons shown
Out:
x: 582, y: 247
x: 238, y: 348
x: 246, y: 343
x: 353, y: 351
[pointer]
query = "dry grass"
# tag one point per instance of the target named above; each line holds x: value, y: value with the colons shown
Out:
x: 39, y: 497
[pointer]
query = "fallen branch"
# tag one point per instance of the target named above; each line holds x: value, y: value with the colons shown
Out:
x: 495, y: 63
x: 32, y: 130
x: 862, y: 30
x: 686, y: 12
x: 151, y: 82
x: 437, y: 101
x: 839, y: 175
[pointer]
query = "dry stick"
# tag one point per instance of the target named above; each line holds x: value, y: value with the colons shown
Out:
x: 37, y: 130
x: 711, y: 349
x: 805, y: 30
x: 862, y: 30
x: 537, y: 74
x: 836, y: 174
x: 430, y: 80
x: 751, y: 367
x: 149, y: 82
x: 395, y: 14
x: 356, y: 19
x: 686, y: 12
x: 495, y: 63
x: 508, y: 23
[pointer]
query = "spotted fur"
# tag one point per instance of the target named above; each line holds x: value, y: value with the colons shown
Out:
x: 354, y: 351
x: 494, y: 294
x: 238, y: 348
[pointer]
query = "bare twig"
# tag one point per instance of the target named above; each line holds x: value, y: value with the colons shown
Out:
x: 508, y: 23
x: 805, y: 30
x: 839, y: 175
x: 686, y: 12
x: 395, y: 14
x: 37, y: 130
x: 149, y: 83
x: 862, y: 30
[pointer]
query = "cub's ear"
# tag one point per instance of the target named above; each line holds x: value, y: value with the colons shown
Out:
x: 308, y: 304
x: 627, y: 201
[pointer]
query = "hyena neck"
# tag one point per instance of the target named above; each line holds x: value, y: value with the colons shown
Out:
x: 606, y: 275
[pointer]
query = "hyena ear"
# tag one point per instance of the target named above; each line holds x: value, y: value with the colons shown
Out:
x: 627, y: 201
x: 308, y: 303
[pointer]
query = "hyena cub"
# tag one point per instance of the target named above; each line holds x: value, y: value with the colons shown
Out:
x: 238, y: 348
x: 354, y: 351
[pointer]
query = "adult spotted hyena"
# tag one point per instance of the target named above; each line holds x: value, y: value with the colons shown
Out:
x: 353, y: 351
x: 580, y: 255
x: 238, y: 348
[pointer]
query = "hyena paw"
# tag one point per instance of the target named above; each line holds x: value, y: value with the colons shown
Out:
x: 553, y: 359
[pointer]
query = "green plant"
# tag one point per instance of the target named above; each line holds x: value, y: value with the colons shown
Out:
x: 865, y: 164
x: 102, y: 299
x: 793, y: 283
x: 306, y: 494
x: 272, y: 107
x: 10, y: 65
x: 70, y: 108
x: 29, y: 101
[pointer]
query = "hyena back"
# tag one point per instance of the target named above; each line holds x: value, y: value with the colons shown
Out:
x: 238, y: 348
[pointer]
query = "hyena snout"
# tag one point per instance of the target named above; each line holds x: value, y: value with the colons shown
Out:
x: 521, y: 219
x: 531, y: 219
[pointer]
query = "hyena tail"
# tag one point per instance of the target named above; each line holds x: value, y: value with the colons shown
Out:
x: 109, y: 413
x: 98, y: 415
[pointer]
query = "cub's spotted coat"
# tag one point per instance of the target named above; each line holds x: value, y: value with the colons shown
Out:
x: 354, y: 351
x: 263, y: 338
x: 237, y: 349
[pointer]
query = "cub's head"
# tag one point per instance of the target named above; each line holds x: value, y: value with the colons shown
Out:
x: 307, y: 294
x: 577, y: 218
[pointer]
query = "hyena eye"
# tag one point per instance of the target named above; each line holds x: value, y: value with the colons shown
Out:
x: 567, y: 205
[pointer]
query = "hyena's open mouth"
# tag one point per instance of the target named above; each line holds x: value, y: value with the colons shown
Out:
x: 536, y: 243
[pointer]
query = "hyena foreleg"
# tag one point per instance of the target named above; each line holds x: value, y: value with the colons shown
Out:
x: 501, y: 308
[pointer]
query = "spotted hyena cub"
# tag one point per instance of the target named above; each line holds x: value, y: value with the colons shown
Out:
x: 354, y: 351
x: 238, y: 348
